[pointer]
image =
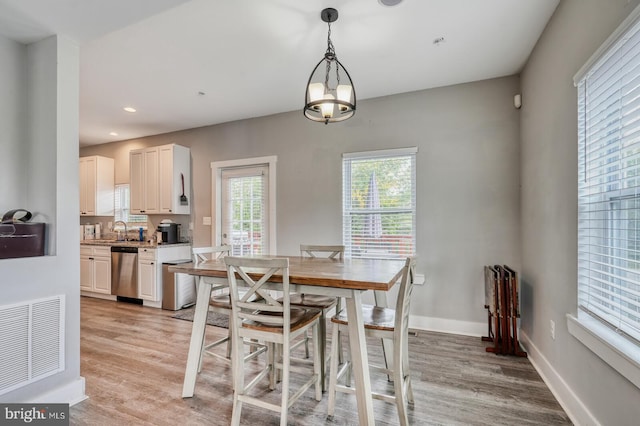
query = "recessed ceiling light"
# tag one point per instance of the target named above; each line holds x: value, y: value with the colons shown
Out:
x: 389, y: 2
x: 113, y: 134
x: 129, y: 109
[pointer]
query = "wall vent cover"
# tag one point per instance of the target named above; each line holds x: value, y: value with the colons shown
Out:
x: 32, y: 336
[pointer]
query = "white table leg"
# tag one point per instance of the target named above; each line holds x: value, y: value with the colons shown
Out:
x: 359, y: 358
x: 197, y: 337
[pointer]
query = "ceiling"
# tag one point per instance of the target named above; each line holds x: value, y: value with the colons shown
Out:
x: 185, y: 64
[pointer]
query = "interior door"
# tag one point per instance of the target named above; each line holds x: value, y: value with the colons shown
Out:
x: 244, y: 209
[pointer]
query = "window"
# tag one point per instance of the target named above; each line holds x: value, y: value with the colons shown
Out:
x: 609, y: 186
x: 379, y: 203
x: 122, y: 208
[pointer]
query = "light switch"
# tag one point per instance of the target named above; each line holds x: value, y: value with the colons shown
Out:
x: 206, y: 220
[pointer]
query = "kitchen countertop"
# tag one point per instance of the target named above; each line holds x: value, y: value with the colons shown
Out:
x: 140, y: 244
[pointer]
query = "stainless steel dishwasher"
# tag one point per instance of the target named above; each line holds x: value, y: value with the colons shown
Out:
x: 124, y: 272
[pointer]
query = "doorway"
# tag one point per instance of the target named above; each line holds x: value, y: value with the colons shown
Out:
x: 243, y: 201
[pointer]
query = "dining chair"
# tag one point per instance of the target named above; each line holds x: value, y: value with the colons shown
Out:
x: 274, y: 322
x: 384, y: 323
x: 220, y: 302
x: 324, y: 303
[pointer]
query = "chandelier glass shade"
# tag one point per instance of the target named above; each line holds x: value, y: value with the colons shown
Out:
x: 330, y: 95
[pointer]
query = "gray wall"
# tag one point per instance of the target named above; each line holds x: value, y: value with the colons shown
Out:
x: 467, y: 172
x: 40, y: 157
x: 13, y: 104
x: 549, y: 205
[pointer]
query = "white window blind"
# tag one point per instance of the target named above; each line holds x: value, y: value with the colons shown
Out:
x: 379, y: 203
x: 609, y: 187
x: 245, y: 221
x: 122, y: 208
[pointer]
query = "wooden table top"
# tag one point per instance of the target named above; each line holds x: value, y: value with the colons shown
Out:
x: 357, y: 274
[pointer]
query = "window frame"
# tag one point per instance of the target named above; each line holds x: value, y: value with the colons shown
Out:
x: 216, y: 194
x: 244, y: 245
x: 348, y: 211
x: 612, y: 346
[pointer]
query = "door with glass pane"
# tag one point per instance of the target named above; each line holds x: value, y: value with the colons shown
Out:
x: 244, y: 209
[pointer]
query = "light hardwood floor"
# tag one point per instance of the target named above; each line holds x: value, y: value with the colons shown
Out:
x: 133, y: 359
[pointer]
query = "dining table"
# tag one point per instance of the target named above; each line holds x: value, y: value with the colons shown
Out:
x: 347, y: 278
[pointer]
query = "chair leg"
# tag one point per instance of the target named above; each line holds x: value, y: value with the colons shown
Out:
x: 321, y: 344
x: 317, y: 365
x: 340, y: 353
x: 407, y: 373
x: 229, y: 342
x: 202, y: 350
x: 333, y: 369
x: 400, y: 397
x: 272, y: 363
x: 306, y: 346
x: 238, y: 378
x: 286, y: 359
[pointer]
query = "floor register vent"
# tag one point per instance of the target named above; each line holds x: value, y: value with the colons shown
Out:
x: 32, y: 336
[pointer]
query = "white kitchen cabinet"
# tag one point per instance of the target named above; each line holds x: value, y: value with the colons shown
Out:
x: 150, y: 270
x: 96, y: 186
x: 175, y: 168
x: 144, y: 185
x: 156, y: 176
x: 95, y: 269
x: 147, y: 275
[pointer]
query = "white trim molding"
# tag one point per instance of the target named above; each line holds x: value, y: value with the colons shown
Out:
x: 216, y: 182
x: 382, y: 152
x: 572, y: 405
x: 613, y: 38
x: 71, y: 393
x: 621, y: 354
x: 443, y: 325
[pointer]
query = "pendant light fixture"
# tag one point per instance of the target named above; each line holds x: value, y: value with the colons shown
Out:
x: 330, y: 96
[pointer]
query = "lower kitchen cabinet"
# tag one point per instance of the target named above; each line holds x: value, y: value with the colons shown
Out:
x: 150, y: 262
x: 95, y: 269
x: 147, y: 274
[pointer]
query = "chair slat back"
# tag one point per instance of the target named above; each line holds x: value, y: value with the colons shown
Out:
x: 250, y: 300
x: 201, y: 254
x: 331, y: 252
x: 403, y: 302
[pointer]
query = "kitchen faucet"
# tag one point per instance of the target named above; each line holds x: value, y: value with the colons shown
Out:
x: 125, y: 229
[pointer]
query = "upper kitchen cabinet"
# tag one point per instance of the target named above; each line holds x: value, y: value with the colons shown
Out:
x: 175, y: 179
x: 96, y: 186
x: 144, y: 184
x: 160, y: 180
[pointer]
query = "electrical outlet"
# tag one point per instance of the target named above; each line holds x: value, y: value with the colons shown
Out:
x: 552, y: 329
x: 206, y: 220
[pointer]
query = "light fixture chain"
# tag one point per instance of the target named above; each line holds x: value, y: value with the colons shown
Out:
x: 331, y: 56
x: 330, y: 48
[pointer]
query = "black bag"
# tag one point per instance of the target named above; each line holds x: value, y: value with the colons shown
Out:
x: 19, y: 237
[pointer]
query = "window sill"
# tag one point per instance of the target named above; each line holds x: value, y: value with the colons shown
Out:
x: 612, y: 348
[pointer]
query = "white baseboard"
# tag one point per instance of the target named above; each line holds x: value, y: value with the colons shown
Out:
x: 71, y: 393
x: 441, y: 325
x: 98, y: 295
x: 572, y: 405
